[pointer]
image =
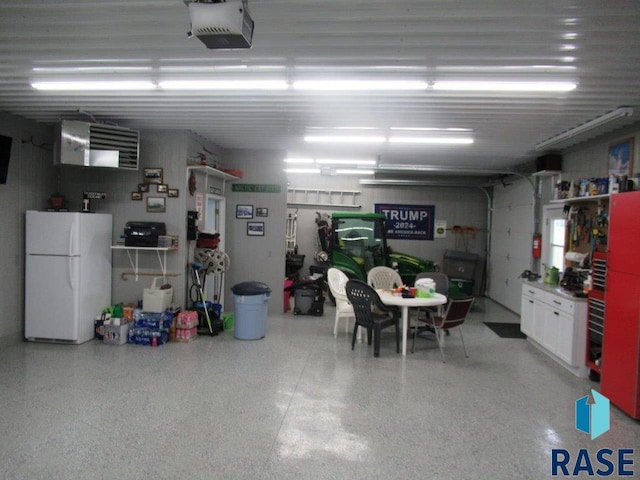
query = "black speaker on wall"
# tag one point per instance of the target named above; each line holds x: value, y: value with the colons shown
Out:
x: 550, y: 161
x: 5, y: 155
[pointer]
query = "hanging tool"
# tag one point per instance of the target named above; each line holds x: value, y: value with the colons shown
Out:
x: 322, y: 237
x: 195, y: 268
x: 292, y: 220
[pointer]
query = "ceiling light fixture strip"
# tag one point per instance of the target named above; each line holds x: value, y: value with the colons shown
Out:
x: 378, y: 139
x: 316, y: 85
x: 350, y: 162
x: 574, y: 134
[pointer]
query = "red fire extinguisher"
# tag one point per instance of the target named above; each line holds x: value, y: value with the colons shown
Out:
x: 537, y: 245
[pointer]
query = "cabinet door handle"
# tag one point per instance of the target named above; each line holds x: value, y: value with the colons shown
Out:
x: 530, y: 301
x: 557, y: 302
x: 556, y: 313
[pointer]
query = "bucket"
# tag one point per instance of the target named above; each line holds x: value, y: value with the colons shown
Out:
x: 552, y: 276
x: 227, y: 320
x: 213, y: 309
x: 157, y: 299
x: 425, y: 288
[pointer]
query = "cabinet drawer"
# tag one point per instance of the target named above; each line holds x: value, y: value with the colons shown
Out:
x: 561, y: 304
x: 533, y: 292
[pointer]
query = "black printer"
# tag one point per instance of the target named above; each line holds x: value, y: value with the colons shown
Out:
x: 143, y: 234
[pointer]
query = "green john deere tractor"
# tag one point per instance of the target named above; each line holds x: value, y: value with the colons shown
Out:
x: 359, y: 243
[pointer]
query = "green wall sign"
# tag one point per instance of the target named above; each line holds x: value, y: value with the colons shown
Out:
x: 254, y: 188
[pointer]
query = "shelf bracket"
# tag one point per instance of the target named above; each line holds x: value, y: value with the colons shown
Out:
x: 162, y: 259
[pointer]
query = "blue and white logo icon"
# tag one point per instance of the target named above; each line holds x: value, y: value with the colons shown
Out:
x: 592, y: 418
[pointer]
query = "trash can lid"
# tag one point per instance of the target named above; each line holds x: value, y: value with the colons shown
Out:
x: 250, y: 288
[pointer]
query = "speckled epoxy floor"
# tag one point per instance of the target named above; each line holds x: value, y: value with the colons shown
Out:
x: 297, y: 404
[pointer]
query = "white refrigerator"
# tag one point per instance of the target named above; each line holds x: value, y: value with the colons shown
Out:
x: 68, y: 274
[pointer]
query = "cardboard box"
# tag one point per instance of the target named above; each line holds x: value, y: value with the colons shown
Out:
x: 116, y: 334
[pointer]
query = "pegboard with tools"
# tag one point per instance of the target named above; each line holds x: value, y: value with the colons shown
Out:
x: 587, y: 226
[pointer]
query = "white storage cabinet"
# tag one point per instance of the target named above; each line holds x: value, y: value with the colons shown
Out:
x: 556, y: 324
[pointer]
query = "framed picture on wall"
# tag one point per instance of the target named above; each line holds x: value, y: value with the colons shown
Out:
x: 162, y: 188
x: 136, y: 195
x: 255, y: 229
x: 156, y: 204
x: 621, y: 157
x: 244, y: 211
x: 262, y: 212
x: 173, y: 192
x: 152, y: 175
x: 143, y: 187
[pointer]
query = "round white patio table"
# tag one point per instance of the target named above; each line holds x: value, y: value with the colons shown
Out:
x: 388, y: 298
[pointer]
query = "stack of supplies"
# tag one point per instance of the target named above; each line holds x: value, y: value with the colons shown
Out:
x: 112, y: 327
x: 187, y: 326
x: 150, y: 328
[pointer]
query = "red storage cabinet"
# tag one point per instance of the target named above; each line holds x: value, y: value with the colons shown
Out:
x: 620, y: 369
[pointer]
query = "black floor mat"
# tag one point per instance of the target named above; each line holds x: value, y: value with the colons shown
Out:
x: 506, y: 330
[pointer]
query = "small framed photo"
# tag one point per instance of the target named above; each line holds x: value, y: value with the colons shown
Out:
x: 162, y: 188
x: 262, y: 212
x: 244, y: 211
x: 152, y: 175
x: 156, y: 204
x: 621, y: 157
x: 255, y: 229
x: 173, y: 193
x: 143, y: 187
x: 136, y: 195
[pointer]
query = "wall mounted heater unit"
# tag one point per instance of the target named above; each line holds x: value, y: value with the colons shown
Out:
x: 223, y: 25
x: 97, y: 145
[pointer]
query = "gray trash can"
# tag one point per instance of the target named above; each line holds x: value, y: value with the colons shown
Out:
x: 251, y: 309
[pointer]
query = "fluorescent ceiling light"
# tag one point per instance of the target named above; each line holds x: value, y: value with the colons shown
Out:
x: 344, y: 139
x: 93, y: 85
x: 350, y: 68
x: 433, y: 140
x: 432, y: 182
x: 394, y: 167
x: 497, y: 86
x: 582, y: 132
x: 302, y: 170
x: 352, y: 128
x: 220, y: 68
x: 223, y: 85
x: 502, y: 68
x: 359, y: 85
x: 298, y: 161
x: 334, y: 161
x: 96, y: 69
x: 430, y: 129
x: 354, y: 171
